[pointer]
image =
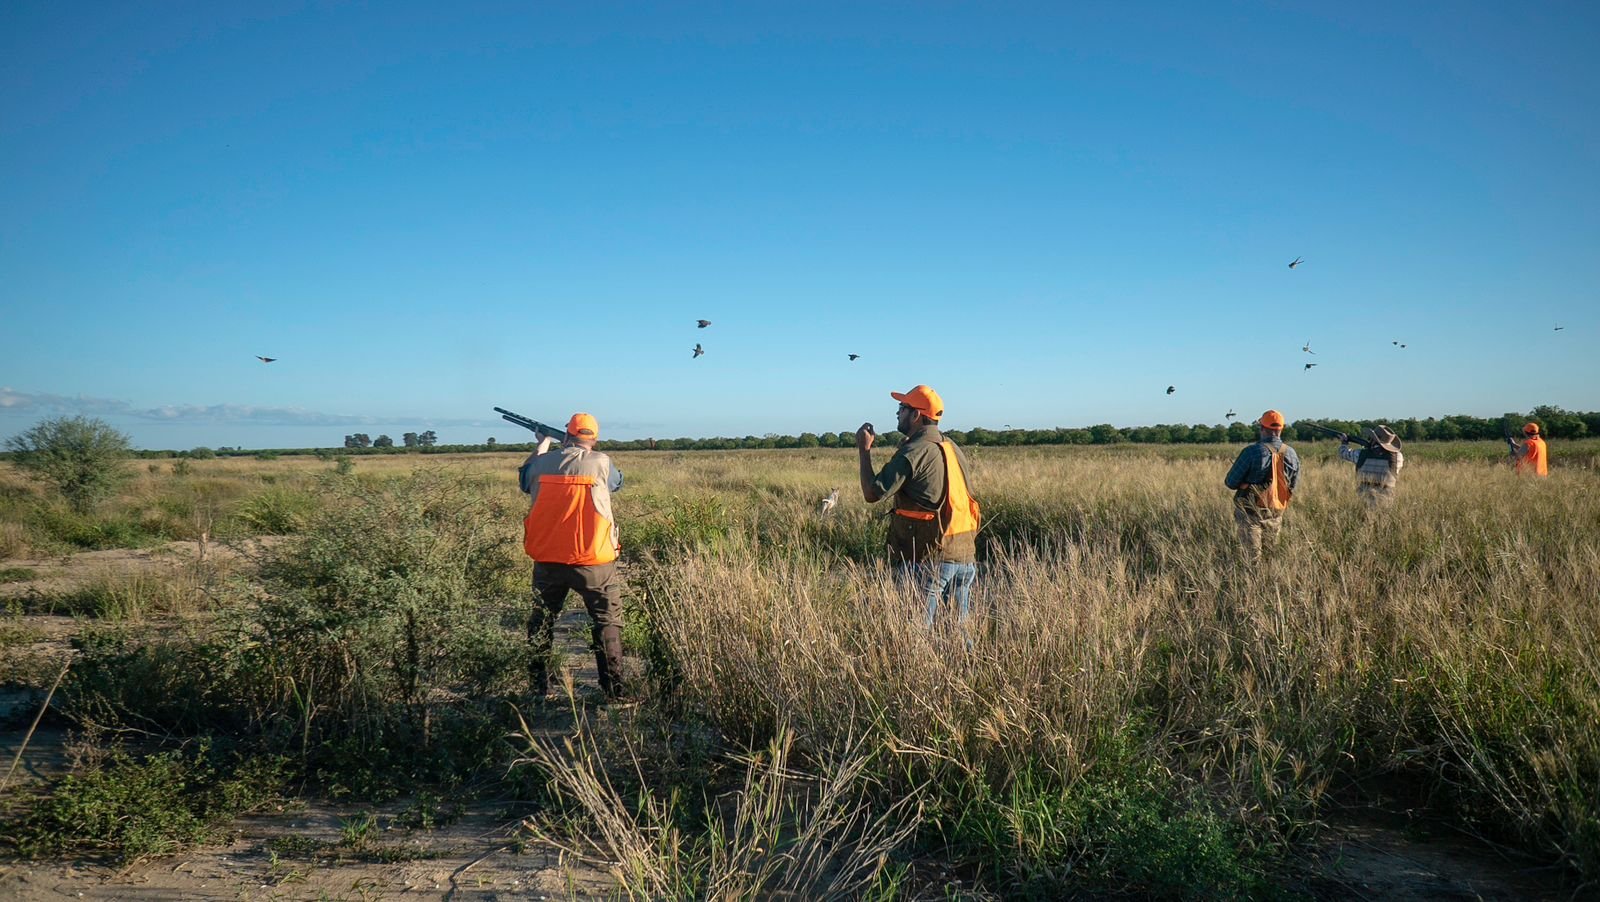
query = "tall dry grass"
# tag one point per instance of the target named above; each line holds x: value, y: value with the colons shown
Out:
x: 1123, y: 647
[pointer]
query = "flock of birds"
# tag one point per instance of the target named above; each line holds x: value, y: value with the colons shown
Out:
x: 699, y: 349
x: 1171, y: 389
x: 831, y: 500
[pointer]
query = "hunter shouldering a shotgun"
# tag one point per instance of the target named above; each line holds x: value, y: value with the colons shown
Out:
x: 1263, y: 479
x: 1378, y: 462
x: 934, y: 524
x: 571, y: 536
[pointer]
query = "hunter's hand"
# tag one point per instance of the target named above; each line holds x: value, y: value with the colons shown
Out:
x: 864, y: 437
x: 1344, y: 439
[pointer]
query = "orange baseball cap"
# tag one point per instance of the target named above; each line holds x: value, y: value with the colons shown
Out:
x: 583, y: 425
x: 922, y: 398
x: 1271, y: 420
x: 1530, y: 429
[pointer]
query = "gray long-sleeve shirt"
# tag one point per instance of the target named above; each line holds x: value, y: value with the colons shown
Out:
x: 1253, y: 466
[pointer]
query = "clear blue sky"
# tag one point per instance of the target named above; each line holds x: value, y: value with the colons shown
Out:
x: 1049, y: 212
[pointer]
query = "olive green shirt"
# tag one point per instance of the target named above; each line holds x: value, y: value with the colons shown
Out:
x: 915, y: 477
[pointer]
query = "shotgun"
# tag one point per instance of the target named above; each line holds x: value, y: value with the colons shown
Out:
x: 1341, y: 436
x: 534, y: 426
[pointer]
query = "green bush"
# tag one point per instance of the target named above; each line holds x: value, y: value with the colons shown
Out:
x: 136, y: 809
x: 275, y: 511
x: 83, y: 458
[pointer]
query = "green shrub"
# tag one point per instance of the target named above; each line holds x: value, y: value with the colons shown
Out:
x: 83, y: 458
x: 136, y: 809
x: 275, y: 511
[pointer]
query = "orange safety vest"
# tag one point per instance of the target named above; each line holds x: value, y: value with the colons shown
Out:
x: 565, y: 527
x: 960, y: 511
x: 1276, y: 493
x: 1535, y: 457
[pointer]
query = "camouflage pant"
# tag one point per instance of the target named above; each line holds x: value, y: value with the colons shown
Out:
x: 1258, y: 529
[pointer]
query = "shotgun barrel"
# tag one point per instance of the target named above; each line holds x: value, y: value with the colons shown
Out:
x: 1341, y: 436
x: 534, y: 426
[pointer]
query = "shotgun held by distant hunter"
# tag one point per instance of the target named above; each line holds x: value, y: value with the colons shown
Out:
x: 534, y: 426
x: 1341, y: 436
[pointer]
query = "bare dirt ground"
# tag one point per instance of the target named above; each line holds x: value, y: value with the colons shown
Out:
x: 296, y: 853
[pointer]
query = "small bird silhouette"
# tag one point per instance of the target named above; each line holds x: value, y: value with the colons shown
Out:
x: 828, y: 504
x: 854, y: 356
x: 1559, y: 328
x: 1297, y: 262
x: 1171, y: 389
x: 265, y: 359
x: 1402, y: 345
x: 698, y: 351
x: 1310, y: 365
x: 1307, y: 347
x: 702, y: 323
x: 1394, y: 342
x: 1230, y: 415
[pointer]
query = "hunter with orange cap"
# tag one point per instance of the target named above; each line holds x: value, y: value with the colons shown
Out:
x: 934, y: 524
x: 1530, y: 455
x: 1263, y: 478
x: 572, y: 537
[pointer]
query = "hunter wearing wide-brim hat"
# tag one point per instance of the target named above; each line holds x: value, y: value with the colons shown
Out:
x: 1377, y: 465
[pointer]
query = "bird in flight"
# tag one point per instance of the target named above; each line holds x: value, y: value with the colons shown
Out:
x: 854, y: 356
x: 265, y: 359
x: 1310, y: 365
x: 698, y: 351
x: 702, y: 323
x: 1171, y: 389
x: 1297, y: 262
x: 1230, y: 415
x: 1307, y: 347
x: 1559, y: 328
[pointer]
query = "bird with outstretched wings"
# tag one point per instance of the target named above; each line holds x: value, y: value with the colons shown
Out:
x: 854, y: 356
x: 1297, y: 262
x: 1310, y: 365
x: 265, y: 359
x: 698, y: 351
x: 702, y: 323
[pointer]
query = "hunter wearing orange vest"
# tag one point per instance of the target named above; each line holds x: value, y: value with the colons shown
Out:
x: 572, y: 537
x: 934, y: 524
x: 1263, y: 478
x: 1530, y: 455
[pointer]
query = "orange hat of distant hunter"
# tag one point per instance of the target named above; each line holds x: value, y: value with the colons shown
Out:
x: 1271, y: 420
x: 923, y: 399
x: 583, y: 425
x: 1530, y: 429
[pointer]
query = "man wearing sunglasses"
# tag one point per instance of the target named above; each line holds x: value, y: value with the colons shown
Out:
x: 935, y: 519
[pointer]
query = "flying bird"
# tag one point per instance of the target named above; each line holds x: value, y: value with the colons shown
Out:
x: 1171, y: 389
x: 702, y: 323
x: 1297, y: 262
x: 1307, y: 347
x: 1310, y: 365
x: 698, y: 351
x: 854, y: 356
x: 828, y: 504
x: 265, y: 359
x: 1230, y: 415
x: 1559, y: 328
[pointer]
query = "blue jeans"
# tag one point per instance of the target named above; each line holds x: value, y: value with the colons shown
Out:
x: 953, y: 581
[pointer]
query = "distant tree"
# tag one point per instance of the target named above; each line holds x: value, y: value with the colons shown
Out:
x: 1107, y: 434
x: 808, y: 440
x: 83, y: 457
x: 427, y: 439
x: 202, y: 453
x: 383, y: 441
x: 490, y: 442
x: 409, y: 439
x: 359, y: 440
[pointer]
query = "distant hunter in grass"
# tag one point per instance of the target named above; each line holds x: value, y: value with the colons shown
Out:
x: 1263, y: 478
x: 934, y: 526
x: 1530, y: 455
x: 572, y: 537
x: 1378, y: 466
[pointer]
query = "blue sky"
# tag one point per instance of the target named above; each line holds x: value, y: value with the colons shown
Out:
x: 1049, y: 212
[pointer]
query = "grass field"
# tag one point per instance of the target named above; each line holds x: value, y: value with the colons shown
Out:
x: 1132, y: 708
